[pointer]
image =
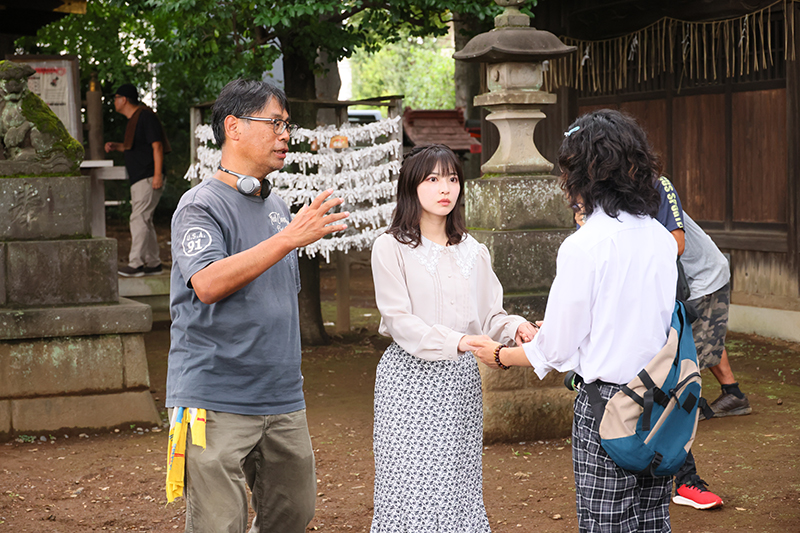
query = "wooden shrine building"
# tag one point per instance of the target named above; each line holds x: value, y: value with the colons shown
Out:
x: 716, y: 85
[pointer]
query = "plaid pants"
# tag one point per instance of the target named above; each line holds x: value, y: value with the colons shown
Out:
x: 610, y: 499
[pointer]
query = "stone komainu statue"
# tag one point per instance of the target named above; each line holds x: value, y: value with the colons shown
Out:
x: 33, y: 141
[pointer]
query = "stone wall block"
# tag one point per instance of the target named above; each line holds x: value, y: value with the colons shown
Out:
x: 517, y: 202
x: 60, y: 365
x: 499, y: 379
x: 5, y: 419
x: 530, y: 306
x: 97, y: 411
x: 524, y: 261
x: 552, y: 379
x: 134, y: 365
x: 77, y: 271
x: 44, y: 208
x: 527, y: 414
x: 518, y: 378
x: 126, y: 316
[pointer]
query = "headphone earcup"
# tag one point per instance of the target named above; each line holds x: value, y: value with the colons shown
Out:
x: 248, y: 185
x: 266, y: 188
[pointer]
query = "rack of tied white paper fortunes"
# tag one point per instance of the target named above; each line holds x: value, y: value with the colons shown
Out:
x: 364, y: 174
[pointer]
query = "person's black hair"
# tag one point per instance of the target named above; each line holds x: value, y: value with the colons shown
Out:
x: 418, y: 164
x: 129, y: 91
x: 243, y: 97
x: 606, y: 162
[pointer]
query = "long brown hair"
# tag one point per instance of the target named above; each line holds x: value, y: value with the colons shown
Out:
x: 418, y: 164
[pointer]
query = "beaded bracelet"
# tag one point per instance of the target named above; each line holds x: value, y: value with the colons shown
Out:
x: 497, y: 356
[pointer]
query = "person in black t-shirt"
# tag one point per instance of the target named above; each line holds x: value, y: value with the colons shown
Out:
x: 144, y: 147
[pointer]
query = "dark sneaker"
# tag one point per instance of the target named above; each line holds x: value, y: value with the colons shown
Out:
x: 695, y: 494
x: 730, y: 405
x: 130, y: 272
x: 153, y: 271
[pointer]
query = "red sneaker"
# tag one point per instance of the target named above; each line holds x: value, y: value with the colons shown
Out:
x: 696, y: 494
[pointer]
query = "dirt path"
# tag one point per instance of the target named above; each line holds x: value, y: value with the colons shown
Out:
x: 114, y: 481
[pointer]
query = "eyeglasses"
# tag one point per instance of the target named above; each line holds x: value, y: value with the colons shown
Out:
x: 278, y: 125
x: 577, y: 207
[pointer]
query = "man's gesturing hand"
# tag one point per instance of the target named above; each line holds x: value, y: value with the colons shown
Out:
x: 311, y: 223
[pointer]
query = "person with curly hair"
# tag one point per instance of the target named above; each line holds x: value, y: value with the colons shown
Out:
x: 609, y: 310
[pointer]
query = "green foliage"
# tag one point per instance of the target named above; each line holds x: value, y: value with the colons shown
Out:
x: 187, y: 50
x: 121, y: 44
x: 420, y: 69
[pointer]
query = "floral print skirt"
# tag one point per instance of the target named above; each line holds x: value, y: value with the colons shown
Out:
x: 427, y: 441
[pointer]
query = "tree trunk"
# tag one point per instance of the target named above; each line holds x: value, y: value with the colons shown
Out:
x: 312, y: 332
x: 328, y: 83
x: 467, y: 75
x: 300, y: 84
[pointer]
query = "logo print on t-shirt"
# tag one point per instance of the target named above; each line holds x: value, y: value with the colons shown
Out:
x: 195, y: 240
x: 278, y: 221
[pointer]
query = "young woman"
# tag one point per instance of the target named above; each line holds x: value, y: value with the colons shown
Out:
x: 609, y: 308
x: 436, y: 292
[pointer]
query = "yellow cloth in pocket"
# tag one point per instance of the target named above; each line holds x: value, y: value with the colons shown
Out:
x: 182, y: 419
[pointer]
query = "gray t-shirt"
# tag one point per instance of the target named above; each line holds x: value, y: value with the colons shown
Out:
x: 706, y: 267
x: 242, y: 354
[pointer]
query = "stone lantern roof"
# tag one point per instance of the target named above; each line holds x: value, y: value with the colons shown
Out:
x: 513, y: 40
x: 515, y: 44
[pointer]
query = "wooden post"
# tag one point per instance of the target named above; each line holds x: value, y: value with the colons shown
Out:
x: 793, y: 137
x: 195, y: 119
x: 341, y: 116
x: 396, y: 110
x: 342, y: 292
x: 342, y: 267
x: 94, y: 118
x: 100, y: 171
x: 96, y: 156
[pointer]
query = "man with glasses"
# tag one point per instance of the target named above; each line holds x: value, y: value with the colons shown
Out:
x: 234, y: 362
x: 144, y: 147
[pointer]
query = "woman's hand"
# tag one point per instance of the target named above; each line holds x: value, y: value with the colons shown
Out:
x: 525, y: 333
x: 483, y: 347
x: 468, y: 341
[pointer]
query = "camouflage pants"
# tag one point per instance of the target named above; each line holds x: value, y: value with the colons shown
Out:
x: 710, y: 328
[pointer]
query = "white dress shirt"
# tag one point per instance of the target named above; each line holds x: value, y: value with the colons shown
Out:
x: 431, y: 296
x: 611, y: 303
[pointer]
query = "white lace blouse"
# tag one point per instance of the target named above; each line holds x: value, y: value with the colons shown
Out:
x: 431, y: 296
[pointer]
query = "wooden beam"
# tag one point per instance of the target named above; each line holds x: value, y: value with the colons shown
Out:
x: 759, y: 241
x: 793, y: 141
x: 593, y: 20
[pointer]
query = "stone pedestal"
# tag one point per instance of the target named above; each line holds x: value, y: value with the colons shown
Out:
x: 522, y: 219
x: 72, y: 354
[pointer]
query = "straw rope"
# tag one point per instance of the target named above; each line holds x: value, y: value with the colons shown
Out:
x: 739, y: 46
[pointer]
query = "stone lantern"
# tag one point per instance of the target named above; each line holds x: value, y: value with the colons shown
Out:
x: 518, y: 211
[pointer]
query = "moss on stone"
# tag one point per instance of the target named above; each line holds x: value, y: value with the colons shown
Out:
x: 37, y: 112
x: 9, y: 67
